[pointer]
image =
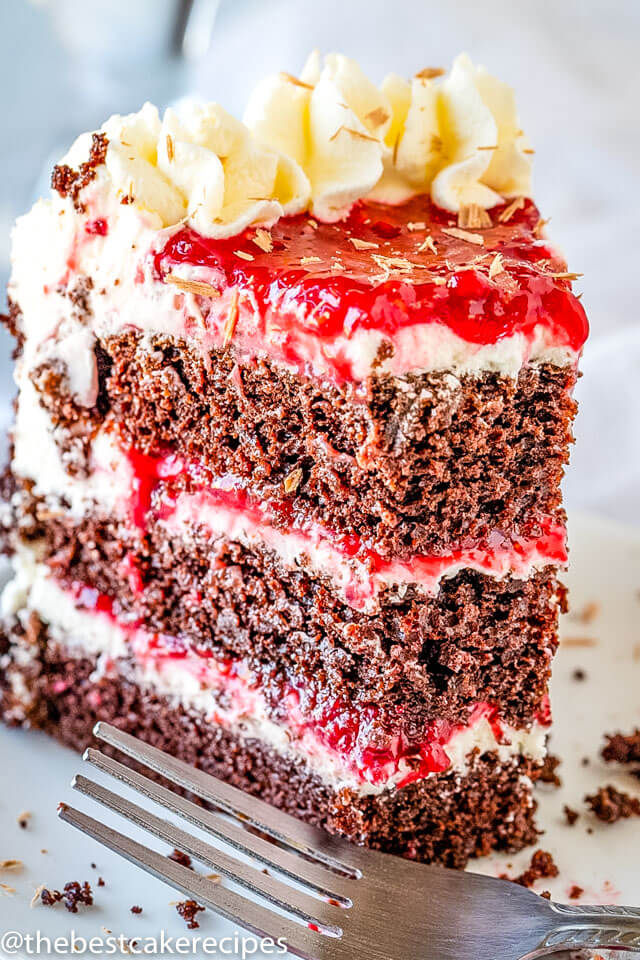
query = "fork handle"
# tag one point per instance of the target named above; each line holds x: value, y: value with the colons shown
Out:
x: 594, y: 926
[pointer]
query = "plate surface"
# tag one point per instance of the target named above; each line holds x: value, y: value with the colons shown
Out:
x: 604, y: 581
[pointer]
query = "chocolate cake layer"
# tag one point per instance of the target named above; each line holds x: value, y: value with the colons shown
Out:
x: 410, y: 465
x: 446, y: 818
x: 477, y: 639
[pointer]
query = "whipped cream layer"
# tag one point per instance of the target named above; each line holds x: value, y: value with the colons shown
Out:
x: 332, y: 743
x: 137, y: 490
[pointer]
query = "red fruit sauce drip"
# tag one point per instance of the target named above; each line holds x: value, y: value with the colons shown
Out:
x: 451, y: 287
x: 97, y: 227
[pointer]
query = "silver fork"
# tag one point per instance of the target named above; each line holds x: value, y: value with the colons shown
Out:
x: 354, y: 903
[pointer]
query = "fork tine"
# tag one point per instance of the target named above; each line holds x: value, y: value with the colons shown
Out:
x: 302, y: 941
x: 303, y: 906
x: 306, y: 840
x: 321, y: 881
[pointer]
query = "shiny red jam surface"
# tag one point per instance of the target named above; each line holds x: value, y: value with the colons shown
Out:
x: 377, y: 269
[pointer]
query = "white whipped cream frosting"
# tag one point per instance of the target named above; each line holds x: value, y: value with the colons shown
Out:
x: 197, y: 165
x: 319, y: 143
x: 456, y: 137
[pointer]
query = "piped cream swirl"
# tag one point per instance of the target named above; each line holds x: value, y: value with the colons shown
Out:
x: 319, y: 142
x: 456, y: 137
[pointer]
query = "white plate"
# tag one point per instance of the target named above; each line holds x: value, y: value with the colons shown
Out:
x: 605, y: 569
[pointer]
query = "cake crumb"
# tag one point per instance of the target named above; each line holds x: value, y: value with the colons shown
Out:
x: 579, y: 675
x: 611, y: 805
x: 546, y: 895
x: 7, y: 890
x: 622, y: 748
x: 188, y: 909
x: 548, y: 773
x: 575, y: 892
x: 73, y: 894
x: 182, y: 858
x: 11, y: 864
x: 197, y: 287
x: 428, y: 244
x: 231, y: 321
x: 542, y: 867
x: 100, y: 882
x: 24, y: 818
x: 430, y: 73
x: 571, y: 816
x: 136, y: 909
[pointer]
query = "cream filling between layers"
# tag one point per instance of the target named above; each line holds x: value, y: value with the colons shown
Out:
x: 109, y: 488
x: 201, y: 686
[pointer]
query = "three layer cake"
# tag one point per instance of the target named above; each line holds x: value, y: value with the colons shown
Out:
x: 294, y: 402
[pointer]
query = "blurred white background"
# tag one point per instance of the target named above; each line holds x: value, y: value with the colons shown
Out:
x: 66, y: 64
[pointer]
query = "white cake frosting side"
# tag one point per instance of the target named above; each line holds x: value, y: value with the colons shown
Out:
x: 239, y: 706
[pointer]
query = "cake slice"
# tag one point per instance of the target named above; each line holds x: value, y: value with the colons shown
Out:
x: 294, y: 403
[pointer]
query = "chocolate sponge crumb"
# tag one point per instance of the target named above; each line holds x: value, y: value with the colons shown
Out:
x: 542, y: 867
x: 611, y: 805
x: 188, y: 909
x: 548, y: 773
x: 622, y: 748
x: 73, y: 895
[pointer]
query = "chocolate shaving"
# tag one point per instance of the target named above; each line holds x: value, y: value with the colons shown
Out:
x: 198, y: 287
x: 289, y: 77
x: 476, y: 238
x: 430, y: 73
x: 231, y: 321
x: 548, y: 772
x: 509, y: 211
x: 473, y: 216
x: 363, y: 244
x: 358, y: 134
x: 496, y: 267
